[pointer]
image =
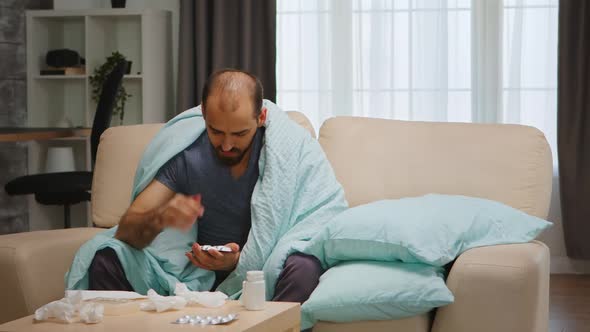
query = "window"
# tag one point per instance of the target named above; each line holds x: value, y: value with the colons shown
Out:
x: 432, y: 60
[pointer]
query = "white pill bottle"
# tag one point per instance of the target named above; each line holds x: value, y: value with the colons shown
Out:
x: 254, y: 291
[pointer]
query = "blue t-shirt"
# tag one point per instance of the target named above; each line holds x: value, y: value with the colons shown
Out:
x: 197, y: 170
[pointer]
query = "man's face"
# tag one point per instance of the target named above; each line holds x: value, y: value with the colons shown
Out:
x: 231, y: 132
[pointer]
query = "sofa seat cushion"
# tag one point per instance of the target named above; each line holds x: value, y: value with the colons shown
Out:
x: 34, y: 265
x: 419, y: 323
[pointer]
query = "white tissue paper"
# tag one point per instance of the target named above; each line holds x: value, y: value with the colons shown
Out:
x: 69, y: 308
x: 207, y: 299
x: 161, y: 303
x: 121, y: 296
x: 61, y: 310
x: 92, y: 313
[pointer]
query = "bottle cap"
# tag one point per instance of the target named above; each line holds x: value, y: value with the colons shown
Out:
x: 255, y: 276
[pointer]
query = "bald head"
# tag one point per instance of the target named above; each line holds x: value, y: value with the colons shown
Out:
x: 230, y: 86
x: 232, y: 109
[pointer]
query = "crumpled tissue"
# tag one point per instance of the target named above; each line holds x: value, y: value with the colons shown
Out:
x: 92, y: 313
x: 161, y: 303
x: 207, y: 299
x: 69, y: 308
x: 183, y: 297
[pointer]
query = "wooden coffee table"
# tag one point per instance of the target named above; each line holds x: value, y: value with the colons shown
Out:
x: 277, y: 316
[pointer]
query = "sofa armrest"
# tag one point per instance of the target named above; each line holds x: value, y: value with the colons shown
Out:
x: 498, y: 288
x: 32, y: 268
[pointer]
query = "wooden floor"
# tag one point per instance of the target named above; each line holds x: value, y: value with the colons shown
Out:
x: 569, y: 308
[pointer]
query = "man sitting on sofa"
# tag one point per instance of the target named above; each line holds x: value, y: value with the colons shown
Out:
x: 209, y: 183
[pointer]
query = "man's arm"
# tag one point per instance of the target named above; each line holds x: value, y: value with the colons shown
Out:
x: 156, y: 208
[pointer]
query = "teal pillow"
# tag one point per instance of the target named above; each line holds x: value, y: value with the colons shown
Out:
x: 432, y: 229
x: 369, y: 290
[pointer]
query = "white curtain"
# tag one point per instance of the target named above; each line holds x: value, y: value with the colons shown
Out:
x: 431, y: 60
x: 529, y: 70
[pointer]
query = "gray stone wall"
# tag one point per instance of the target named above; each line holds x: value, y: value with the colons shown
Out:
x: 13, y: 112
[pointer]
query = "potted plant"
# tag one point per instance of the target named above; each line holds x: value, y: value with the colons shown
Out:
x: 100, y: 74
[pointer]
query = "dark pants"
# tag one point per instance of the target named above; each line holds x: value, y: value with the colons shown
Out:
x: 299, y: 277
x: 106, y: 272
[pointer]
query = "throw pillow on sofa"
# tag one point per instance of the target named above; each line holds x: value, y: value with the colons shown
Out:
x: 432, y: 229
x: 370, y: 290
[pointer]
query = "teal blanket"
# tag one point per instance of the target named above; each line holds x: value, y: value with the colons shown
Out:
x: 295, y: 196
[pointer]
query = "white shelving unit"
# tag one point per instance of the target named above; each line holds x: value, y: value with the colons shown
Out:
x: 143, y: 36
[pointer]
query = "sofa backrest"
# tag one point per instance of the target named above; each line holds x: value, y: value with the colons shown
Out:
x: 386, y: 159
x: 377, y: 159
x: 119, y: 152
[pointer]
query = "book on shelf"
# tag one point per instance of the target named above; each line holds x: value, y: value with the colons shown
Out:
x: 64, y: 71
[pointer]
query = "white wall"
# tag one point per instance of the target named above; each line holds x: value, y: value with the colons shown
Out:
x: 172, y: 5
x: 553, y: 237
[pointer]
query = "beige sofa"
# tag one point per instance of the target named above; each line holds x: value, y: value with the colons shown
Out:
x: 498, y: 288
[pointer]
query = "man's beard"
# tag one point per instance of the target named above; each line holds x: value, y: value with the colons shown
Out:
x: 232, y: 161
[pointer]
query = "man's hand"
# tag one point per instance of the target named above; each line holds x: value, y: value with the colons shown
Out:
x: 214, y: 260
x: 181, y: 212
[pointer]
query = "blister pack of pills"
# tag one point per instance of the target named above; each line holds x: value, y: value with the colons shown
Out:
x: 206, y: 247
x: 206, y: 320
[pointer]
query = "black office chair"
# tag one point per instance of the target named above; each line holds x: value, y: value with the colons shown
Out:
x: 68, y: 188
